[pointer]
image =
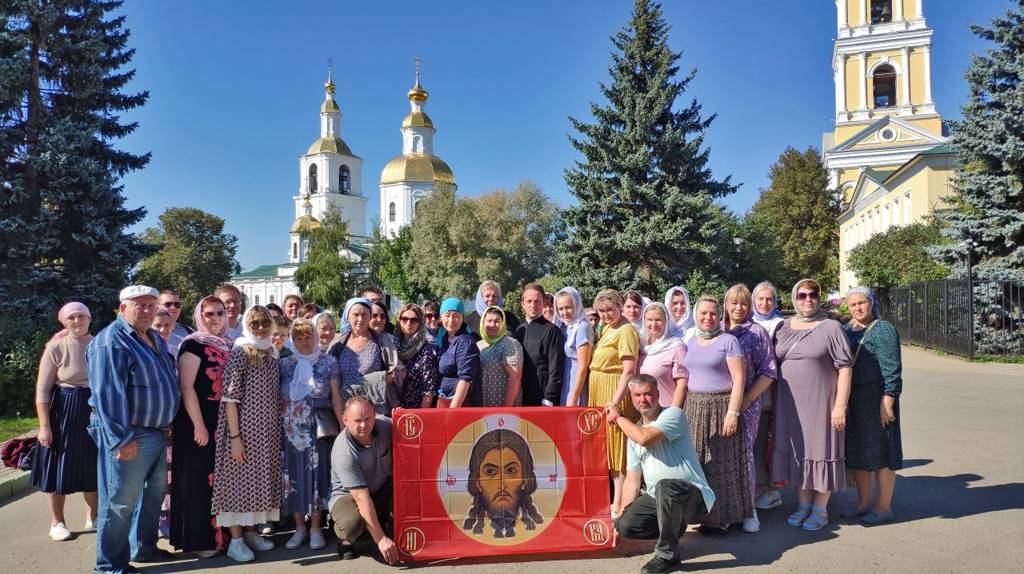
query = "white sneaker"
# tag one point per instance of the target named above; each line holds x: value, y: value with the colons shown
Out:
x: 770, y: 499
x: 253, y: 541
x: 239, y: 552
x: 266, y: 529
x: 90, y: 524
x: 296, y: 540
x: 752, y: 524
x: 60, y: 532
x: 316, y: 540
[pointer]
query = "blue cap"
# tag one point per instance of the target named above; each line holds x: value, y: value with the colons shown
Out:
x: 452, y: 304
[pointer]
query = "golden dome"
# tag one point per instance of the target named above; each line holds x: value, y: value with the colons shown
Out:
x: 330, y: 106
x: 417, y: 93
x: 417, y: 120
x: 417, y: 167
x: 305, y: 224
x: 329, y: 145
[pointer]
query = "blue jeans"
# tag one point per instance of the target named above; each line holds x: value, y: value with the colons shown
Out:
x: 130, y: 494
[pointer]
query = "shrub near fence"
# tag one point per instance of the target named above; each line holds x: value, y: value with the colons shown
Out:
x: 937, y: 314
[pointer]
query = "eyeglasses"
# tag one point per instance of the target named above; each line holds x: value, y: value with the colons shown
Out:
x: 430, y: 315
x: 378, y: 316
x: 804, y: 295
x: 169, y: 304
x: 413, y: 319
x: 264, y: 324
x: 212, y: 314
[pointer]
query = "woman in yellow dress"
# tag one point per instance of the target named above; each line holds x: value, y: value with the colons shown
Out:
x: 611, y: 367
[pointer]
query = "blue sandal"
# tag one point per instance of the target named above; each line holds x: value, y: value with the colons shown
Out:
x: 798, y: 517
x: 817, y: 520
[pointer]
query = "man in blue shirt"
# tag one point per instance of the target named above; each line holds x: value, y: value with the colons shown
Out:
x: 135, y: 396
x: 660, y: 454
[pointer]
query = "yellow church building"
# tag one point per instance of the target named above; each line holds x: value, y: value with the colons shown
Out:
x: 888, y: 156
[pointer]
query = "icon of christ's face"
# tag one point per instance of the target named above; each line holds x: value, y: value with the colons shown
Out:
x: 501, y: 480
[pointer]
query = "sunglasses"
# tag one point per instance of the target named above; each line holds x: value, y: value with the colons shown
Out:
x: 170, y: 304
x: 264, y: 324
x: 378, y: 316
x: 804, y: 295
x: 212, y: 314
x: 413, y: 319
x: 430, y: 315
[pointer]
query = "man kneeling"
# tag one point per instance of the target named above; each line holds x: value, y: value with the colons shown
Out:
x: 660, y: 453
x: 361, y: 494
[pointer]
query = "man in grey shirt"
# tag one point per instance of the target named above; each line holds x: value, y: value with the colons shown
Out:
x: 361, y: 492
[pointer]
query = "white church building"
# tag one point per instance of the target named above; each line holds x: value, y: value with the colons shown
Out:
x: 330, y: 175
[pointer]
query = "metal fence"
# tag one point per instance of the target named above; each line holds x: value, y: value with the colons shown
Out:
x: 939, y: 315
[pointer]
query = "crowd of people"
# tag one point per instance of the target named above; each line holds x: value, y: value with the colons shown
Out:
x: 280, y: 413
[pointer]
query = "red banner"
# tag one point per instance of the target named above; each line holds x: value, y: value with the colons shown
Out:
x: 486, y: 481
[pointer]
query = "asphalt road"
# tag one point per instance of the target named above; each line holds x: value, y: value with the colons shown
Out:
x: 960, y: 503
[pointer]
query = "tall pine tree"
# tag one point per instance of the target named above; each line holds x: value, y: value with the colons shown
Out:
x: 62, y: 213
x: 646, y: 216
x: 987, y: 205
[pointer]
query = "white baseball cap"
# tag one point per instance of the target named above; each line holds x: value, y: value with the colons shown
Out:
x: 136, y: 291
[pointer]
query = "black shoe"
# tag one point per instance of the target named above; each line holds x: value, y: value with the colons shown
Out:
x: 708, y: 530
x: 659, y: 565
x: 160, y: 555
x: 132, y: 570
x: 347, y: 551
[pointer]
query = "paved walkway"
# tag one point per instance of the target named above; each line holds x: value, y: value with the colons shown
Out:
x: 960, y: 502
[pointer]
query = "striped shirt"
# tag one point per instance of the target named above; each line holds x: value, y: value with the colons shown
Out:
x: 132, y: 384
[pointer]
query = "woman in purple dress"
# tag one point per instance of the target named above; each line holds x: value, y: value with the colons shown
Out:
x: 419, y: 355
x: 759, y: 360
x: 815, y: 368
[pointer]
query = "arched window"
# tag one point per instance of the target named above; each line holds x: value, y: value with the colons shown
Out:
x: 417, y: 144
x: 295, y: 250
x: 257, y: 299
x: 881, y: 11
x: 391, y: 212
x: 271, y: 298
x: 344, y: 180
x: 884, y: 82
x: 312, y: 178
x: 416, y: 208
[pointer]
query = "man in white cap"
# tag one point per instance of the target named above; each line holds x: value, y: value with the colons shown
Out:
x: 134, y: 398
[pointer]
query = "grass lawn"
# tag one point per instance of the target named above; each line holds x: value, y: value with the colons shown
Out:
x: 13, y: 426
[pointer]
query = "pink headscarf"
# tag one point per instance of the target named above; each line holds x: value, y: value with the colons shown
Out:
x: 203, y: 333
x: 66, y: 311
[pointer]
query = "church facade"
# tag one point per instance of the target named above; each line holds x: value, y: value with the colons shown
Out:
x: 888, y: 156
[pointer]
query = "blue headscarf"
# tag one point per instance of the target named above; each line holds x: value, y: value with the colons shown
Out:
x: 345, y: 326
x: 480, y: 305
x: 778, y: 301
x: 867, y: 293
x: 451, y: 304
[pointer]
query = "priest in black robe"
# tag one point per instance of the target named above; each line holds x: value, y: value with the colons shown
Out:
x: 543, y: 351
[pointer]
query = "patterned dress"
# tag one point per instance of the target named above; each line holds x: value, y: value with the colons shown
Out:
x: 249, y: 493
x: 354, y: 365
x: 307, y: 462
x: 493, y: 360
x: 421, y: 377
x: 877, y: 372
x: 614, y: 344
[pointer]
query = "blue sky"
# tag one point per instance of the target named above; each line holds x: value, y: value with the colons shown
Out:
x: 235, y: 90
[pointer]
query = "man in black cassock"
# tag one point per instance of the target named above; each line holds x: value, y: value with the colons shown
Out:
x: 543, y: 352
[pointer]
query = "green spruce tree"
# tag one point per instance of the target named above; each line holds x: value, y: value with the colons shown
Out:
x: 647, y: 214
x: 987, y: 206
x: 63, y: 218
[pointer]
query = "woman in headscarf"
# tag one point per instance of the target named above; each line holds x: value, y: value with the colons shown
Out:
x: 579, y: 345
x: 310, y: 378
x: 677, y: 299
x: 65, y: 462
x: 432, y: 321
x: 663, y: 355
x: 874, y: 447
x: 766, y: 313
x: 201, y: 360
x: 501, y: 362
x: 714, y: 395
x: 247, y: 484
x: 326, y: 330
x: 360, y: 352
x: 810, y: 408
x: 459, y: 362
x: 613, y: 364
x: 488, y: 294
x: 759, y: 361
x: 632, y: 309
x: 419, y: 356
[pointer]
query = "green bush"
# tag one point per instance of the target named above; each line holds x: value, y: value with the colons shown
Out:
x: 21, y: 344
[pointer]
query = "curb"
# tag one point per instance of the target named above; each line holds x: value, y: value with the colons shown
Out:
x: 14, y: 482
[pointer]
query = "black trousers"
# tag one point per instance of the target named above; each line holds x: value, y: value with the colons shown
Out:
x: 664, y: 516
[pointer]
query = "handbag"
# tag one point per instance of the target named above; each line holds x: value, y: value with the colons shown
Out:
x: 327, y: 425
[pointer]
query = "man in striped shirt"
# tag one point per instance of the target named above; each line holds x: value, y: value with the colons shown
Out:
x: 135, y: 396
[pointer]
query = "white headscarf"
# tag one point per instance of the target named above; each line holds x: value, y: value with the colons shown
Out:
x: 686, y: 321
x: 302, y: 379
x: 671, y: 338
x: 579, y: 319
x: 316, y: 326
x: 248, y: 338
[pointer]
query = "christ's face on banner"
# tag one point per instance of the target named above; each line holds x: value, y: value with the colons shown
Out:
x: 501, y: 480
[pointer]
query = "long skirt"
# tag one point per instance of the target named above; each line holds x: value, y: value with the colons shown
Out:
x: 69, y: 465
x: 602, y: 389
x: 723, y: 458
x: 192, y: 525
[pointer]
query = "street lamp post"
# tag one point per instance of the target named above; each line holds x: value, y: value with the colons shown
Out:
x: 969, y: 244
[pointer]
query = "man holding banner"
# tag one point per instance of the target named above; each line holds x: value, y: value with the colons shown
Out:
x: 660, y: 453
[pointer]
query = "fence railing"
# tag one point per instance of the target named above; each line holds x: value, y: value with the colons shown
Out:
x: 939, y: 314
